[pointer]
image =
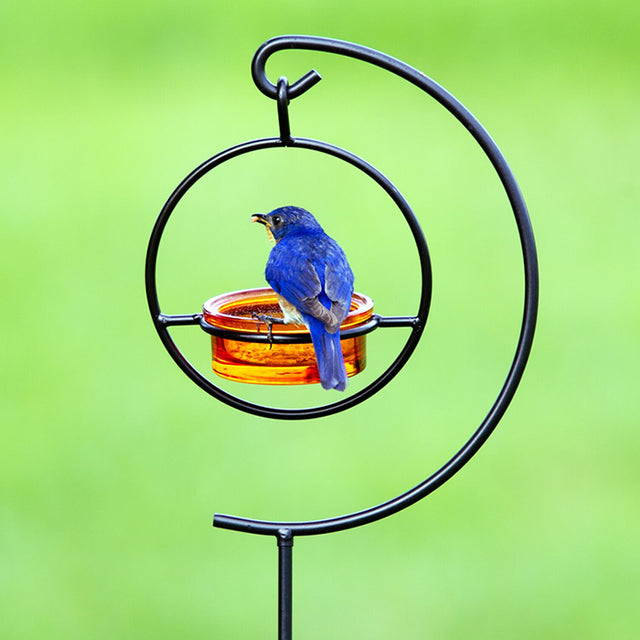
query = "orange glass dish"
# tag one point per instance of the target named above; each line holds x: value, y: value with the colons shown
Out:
x: 242, y: 360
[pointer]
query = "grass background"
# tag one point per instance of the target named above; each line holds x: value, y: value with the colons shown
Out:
x: 112, y: 463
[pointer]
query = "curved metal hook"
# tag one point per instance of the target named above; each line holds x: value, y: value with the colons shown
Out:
x: 267, y: 49
x: 317, y: 43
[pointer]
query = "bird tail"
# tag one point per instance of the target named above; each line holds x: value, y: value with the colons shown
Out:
x: 333, y: 374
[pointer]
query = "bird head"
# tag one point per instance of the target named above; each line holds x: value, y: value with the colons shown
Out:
x: 287, y: 221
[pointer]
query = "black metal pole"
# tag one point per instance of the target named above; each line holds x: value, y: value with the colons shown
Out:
x: 285, y: 591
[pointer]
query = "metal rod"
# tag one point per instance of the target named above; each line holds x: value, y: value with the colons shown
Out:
x: 285, y: 591
x: 283, y: 111
x: 376, y: 321
x: 182, y: 319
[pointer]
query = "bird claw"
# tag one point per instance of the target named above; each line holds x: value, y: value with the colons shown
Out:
x: 269, y: 321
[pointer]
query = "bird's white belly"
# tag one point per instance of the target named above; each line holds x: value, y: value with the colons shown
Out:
x: 291, y: 314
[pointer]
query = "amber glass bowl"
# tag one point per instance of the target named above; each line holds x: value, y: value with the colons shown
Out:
x: 240, y: 359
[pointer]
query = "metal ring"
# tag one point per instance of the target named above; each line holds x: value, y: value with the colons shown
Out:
x: 162, y: 325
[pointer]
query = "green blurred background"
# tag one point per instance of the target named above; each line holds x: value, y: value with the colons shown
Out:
x: 112, y: 462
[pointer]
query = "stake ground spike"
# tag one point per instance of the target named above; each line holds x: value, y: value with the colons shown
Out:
x: 283, y: 93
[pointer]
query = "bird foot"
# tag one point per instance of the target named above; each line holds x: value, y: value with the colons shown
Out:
x: 269, y: 321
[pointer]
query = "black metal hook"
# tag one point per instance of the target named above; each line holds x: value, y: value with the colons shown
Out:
x: 259, y: 74
x: 283, y: 111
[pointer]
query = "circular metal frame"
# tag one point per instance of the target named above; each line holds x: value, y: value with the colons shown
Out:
x: 163, y: 322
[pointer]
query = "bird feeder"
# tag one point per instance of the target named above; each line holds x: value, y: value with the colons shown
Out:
x: 238, y: 350
x: 163, y: 322
x: 241, y: 350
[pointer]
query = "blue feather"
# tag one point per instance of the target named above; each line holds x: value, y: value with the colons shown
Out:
x: 329, y: 358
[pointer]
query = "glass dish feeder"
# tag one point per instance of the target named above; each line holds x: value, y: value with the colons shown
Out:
x: 240, y: 349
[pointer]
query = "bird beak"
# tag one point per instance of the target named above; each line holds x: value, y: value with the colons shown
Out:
x: 263, y: 219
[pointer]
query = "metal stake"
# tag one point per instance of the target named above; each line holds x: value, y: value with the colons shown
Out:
x: 285, y: 592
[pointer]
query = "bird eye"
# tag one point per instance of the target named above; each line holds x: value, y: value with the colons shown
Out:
x: 276, y: 220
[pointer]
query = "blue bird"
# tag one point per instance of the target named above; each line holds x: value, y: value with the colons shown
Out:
x: 313, y: 281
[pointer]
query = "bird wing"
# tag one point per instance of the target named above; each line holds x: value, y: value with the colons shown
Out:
x: 297, y: 273
x: 303, y: 289
x: 338, y: 283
